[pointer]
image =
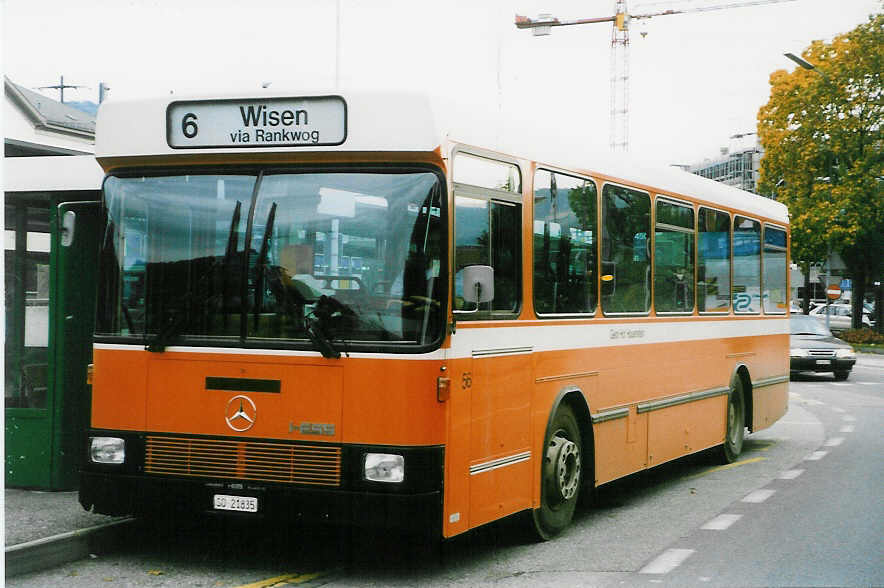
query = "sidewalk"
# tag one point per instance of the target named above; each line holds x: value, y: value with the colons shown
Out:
x: 34, y: 514
x: 49, y: 528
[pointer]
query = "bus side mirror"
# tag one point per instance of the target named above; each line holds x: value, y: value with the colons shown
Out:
x: 68, y: 222
x: 478, y: 284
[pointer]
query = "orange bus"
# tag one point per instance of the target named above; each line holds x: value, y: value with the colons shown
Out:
x: 319, y: 307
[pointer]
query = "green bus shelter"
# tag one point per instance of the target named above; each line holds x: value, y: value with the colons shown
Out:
x: 50, y: 277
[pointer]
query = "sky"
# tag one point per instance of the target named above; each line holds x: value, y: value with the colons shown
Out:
x: 695, y: 79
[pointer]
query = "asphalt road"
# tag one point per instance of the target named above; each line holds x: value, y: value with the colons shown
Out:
x: 802, y: 507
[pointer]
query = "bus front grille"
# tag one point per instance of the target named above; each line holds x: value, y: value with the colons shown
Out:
x: 312, y: 465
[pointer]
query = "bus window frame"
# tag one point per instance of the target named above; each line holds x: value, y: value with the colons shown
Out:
x: 730, y: 306
x: 596, y: 244
x: 764, y: 226
x: 650, y: 246
x: 693, y: 208
x: 489, y: 195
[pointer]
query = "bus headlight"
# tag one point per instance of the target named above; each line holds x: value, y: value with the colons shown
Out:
x: 845, y: 354
x: 107, y: 449
x: 384, y: 467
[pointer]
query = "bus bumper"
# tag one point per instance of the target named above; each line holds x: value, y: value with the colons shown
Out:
x: 343, y: 497
x: 141, y: 495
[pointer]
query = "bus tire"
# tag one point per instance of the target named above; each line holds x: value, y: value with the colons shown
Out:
x: 560, y: 475
x: 736, y: 423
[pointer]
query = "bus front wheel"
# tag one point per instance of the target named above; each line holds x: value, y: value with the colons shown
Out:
x: 561, y: 475
x: 736, y: 422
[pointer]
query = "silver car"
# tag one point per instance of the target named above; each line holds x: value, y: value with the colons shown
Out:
x: 839, y: 316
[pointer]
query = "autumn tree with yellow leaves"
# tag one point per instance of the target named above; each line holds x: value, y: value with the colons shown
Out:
x: 824, y: 158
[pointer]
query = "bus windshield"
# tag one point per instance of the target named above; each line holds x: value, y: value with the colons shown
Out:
x: 325, y: 261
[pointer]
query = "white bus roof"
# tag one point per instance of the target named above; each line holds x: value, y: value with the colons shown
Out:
x: 374, y: 122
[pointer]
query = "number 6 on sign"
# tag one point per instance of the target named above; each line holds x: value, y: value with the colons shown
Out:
x: 188, y: 125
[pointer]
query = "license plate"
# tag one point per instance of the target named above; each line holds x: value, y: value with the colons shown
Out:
x: 824, y: 362
x: 237, y: 503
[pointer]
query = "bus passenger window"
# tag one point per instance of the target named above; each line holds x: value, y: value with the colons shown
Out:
x: 774, y: 294
x: 487, y: 232
x: 747, y: 265
x: 674, y: 258
x: 626, y: 265
x: 713, y: 261
x: 564, y: 244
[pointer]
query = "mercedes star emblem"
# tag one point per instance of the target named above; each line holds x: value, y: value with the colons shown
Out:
x: 241, y: 413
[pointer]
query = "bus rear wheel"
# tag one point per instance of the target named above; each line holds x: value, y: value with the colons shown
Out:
x: 736, y: 423
x: 561, y: 475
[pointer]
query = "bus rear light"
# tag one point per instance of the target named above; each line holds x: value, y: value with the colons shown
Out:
x: 107, y: 450
x: 384, y: 467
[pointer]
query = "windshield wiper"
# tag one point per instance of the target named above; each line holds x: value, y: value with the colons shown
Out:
x: 320, y: 340
x: 328, y: 316
x: 173, y: 328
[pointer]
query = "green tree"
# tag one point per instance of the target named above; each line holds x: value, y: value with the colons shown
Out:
x: 821, y: 132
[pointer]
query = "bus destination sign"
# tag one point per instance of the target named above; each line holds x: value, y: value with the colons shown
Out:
x: 267, y: 122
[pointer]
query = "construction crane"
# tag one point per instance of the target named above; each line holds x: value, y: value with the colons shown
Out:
x: 619, y: 129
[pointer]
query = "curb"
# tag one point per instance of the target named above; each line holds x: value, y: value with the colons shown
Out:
x: 59, y: 549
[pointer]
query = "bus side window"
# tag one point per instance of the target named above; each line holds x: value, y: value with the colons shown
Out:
x: 674, y: 257
x: 774, y: 294
x: 747, y: 265
x: 487, y: 232
x: 564, y: 244
x: 626, y: 265
x: 713, y: 261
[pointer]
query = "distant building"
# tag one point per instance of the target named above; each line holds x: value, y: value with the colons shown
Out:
x: 738, y: 168
x: 35, y: 125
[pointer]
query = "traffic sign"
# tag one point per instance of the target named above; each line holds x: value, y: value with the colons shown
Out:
x: 833, y: 291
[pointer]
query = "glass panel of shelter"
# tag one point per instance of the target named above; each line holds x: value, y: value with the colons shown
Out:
x: 27, y: 245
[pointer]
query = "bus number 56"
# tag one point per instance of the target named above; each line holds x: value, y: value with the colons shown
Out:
x: 188, y: 125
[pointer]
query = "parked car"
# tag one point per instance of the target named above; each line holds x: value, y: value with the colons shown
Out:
x: 813, y: 348
x: 839, y: 316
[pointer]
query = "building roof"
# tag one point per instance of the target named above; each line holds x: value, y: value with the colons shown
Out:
x: 50, y: 114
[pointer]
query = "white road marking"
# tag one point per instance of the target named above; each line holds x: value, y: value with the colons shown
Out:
x: 868, y: 383
x: 816, y: 455
x: 834, y: 442
x: 790, y: 474
x: 758, y: 496
x: 841, y: 384
x: 846, y: 429
x: 849, y: 419
x: 667, y: 561
x: 836, y: 409
x: 813, y: 402
x: 721, y: 522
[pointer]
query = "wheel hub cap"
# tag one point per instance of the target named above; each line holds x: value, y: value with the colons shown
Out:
x: 563, y: 463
